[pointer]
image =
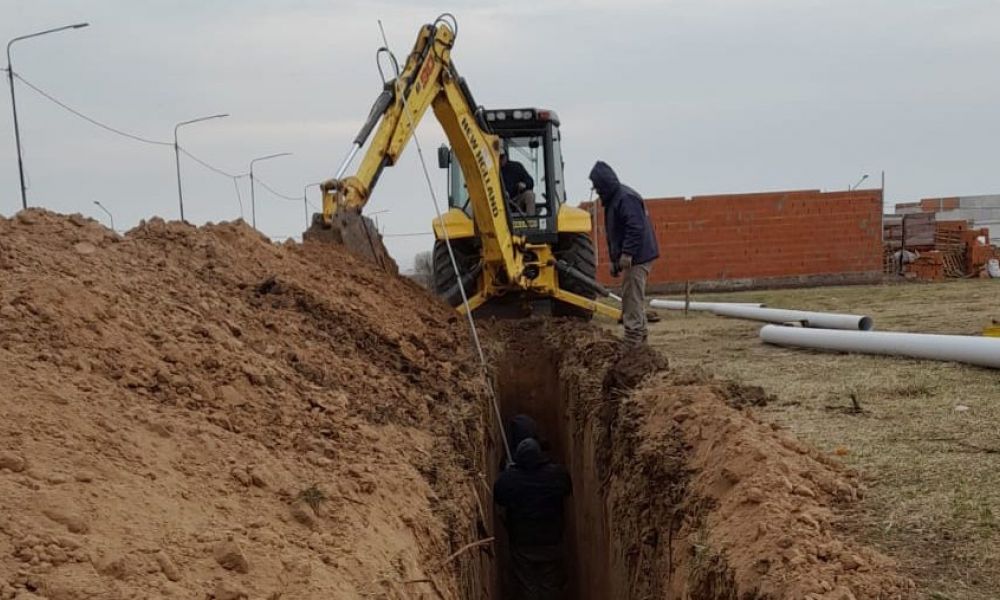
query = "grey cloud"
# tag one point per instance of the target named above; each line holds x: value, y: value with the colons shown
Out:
x: 682, y: 97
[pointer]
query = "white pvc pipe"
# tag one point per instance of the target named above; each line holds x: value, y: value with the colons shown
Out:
x: 679, y: 304
x: 982, y: 351
x: 817, y: 320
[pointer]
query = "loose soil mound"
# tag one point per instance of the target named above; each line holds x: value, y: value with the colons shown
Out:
x: 197, y: 413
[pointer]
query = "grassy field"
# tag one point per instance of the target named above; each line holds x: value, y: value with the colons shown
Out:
x: 926, y: 437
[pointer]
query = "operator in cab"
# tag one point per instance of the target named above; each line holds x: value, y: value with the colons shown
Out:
x: 632, y: 247
x: 519, y: 184
x: 532, y: 492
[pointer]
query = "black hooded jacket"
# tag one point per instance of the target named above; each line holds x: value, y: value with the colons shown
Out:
x: 628, y: 228
x: 514, y: 173
x: 533, y: 491
x: 520, y: 428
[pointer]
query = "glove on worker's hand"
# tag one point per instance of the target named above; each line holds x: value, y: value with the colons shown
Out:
x: 624, y: 262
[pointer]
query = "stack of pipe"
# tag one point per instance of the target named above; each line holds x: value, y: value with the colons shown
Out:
x: 850, y: 333
x: 757, y: 312
x: 974, y: 350
x: 705, y: 306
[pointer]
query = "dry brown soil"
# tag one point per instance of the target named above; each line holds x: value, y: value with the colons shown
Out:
x: 198, y: 413
x: 924, y: 433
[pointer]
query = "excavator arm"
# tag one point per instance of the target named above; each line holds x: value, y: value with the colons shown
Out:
x: 429, y: 79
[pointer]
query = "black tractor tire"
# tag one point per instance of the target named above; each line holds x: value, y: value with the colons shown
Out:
x: 466, y: 255
x: 577, y: 249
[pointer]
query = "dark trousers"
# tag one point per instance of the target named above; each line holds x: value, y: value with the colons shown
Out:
x: 539, y: 572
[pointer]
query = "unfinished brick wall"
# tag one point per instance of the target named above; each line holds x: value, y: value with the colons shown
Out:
x: 748, y: 240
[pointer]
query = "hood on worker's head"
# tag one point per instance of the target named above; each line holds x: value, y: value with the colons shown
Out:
x: 605, y: 181
x: 520, y: 428
x: 529, y: 454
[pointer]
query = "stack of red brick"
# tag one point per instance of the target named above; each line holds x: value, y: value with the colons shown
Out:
x: 928, y: 205
x: 929, y: 266
x: 943, y: 248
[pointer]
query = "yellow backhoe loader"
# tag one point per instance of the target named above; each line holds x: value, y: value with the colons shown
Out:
x: 510, y: 258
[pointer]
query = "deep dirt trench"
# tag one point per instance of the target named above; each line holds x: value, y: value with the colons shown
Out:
x: 677, y: 492
x: 538, y: 375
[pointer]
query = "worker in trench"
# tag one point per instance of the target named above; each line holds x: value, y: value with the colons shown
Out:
x: 632, y: 247
x: 532, y: 493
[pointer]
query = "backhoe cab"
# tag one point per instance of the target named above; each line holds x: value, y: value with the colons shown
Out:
x: 530, y: 137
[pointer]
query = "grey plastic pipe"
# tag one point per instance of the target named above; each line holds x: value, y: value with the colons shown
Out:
x: 708, y: 306
x: 816, y: 320
x: 982, y: 351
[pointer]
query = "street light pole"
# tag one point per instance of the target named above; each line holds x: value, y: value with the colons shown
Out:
x: 107, y: 212
x: 860, y: 181
x: 305, y: 200
x: 177, y: 155
x: 253, y: 198
x: 374, y: 216
x: 13, y: 102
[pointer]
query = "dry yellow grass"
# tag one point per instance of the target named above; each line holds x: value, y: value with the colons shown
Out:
x: 932, y: 468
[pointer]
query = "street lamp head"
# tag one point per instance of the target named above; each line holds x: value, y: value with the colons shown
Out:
x: 199, y: 120
x: 269, y: 156
x: 13, y: 102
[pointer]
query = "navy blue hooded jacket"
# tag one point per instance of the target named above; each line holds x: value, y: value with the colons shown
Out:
x: 628, y: 228
x: 533, y: 491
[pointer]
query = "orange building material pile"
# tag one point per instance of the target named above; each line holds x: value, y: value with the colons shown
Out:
x: 941, y: 248
x: 929, y: 266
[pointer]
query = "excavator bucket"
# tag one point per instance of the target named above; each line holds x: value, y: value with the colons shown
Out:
x: 355, y: 232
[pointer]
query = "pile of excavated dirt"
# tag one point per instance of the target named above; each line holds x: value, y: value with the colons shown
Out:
x: 198, y: 413
x: 679, y: 492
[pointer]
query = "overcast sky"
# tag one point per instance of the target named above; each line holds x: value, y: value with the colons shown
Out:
x: 682, y: 97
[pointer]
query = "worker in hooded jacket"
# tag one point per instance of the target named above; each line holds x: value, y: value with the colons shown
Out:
x: 532, y: 492
x: 632, y: 247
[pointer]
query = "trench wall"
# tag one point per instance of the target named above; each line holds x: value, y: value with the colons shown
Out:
x: 678, y: 492
x: 535, y: 374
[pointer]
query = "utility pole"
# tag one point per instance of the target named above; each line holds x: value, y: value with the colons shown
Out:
x: 305, y: 200
x: 177, y: 155
x: 253, y: 198
x: 111, y: 217
x: 13, y: 101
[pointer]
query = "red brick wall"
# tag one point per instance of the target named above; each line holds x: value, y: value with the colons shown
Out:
x: 762, y: 236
